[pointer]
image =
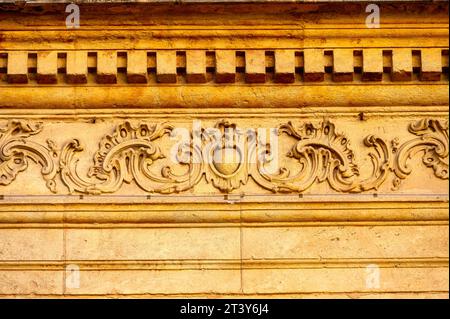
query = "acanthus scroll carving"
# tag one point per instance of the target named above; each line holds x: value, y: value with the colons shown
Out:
x: 134, y: 153
x: 325, y: 155
x: 125, y: 156
x: 431, y: 141
x: 16, y: 151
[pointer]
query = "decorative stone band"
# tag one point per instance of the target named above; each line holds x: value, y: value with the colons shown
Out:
x: 223, y: 66
x: 134, y: 153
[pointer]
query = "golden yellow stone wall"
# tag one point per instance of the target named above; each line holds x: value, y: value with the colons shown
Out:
x: 99, y: 198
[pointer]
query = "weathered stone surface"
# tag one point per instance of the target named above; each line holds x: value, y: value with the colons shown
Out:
x: 284, y: 66
x: 344, y: 243
x: 106, y: 67
x: 77, y: 67
x: 225, y: 66
x: 137, y: 67
x: 153, y: 244
x: 343, y: 67
x: 93, y: 185
x: 196, y: 66
x: 431, y: 64
x: 17, y: 67
x: 372, y: 65
x: 166, y: 67
x: 47, y: 67
x: 314, y: 62
x: 255, y: 66
x: 402, y: 65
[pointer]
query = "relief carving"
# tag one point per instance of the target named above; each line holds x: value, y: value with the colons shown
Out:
x: 133, y: 153
x: 124, y: 156
x: 226, y: 157
x: 325, y: 155
x: 432, y: 141
x: 16, y: 151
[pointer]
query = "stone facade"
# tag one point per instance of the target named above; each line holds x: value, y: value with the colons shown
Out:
x: 203, y: 149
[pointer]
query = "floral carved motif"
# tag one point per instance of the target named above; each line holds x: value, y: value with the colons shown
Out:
x: 134, y: 153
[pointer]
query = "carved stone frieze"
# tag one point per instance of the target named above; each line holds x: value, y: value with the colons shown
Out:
x: 226, y: 156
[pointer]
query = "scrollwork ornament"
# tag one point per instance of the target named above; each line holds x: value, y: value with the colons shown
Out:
x: 432, y: 141
x: 132, y: 153
x: 325, y: 155
x: 126, y: 155
x: 16, y: 150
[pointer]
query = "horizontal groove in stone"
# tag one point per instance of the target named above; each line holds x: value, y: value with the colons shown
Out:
x: 95, y: 265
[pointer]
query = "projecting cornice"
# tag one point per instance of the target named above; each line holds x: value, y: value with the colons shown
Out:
x: 213, y: 56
